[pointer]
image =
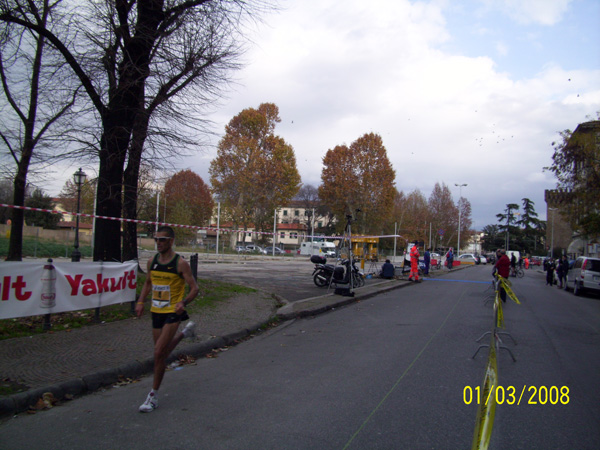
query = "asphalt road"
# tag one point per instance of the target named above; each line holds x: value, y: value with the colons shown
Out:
x: 385, y: 373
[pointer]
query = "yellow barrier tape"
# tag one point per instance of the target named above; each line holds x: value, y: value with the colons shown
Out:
x: 506, y: 284
x: 499, y: 312
x: 487, y: 403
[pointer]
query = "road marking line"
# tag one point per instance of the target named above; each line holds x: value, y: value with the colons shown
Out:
x: 457, y: 281
x: 385, y: 397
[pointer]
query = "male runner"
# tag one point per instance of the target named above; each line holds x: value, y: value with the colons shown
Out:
x: 168, y: 273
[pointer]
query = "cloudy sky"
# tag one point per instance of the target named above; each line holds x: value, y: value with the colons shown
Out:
x: 461, y: 91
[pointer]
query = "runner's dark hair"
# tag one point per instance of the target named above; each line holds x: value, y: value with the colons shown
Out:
x: 165, y: 229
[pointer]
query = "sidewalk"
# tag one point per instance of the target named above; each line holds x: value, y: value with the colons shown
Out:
x: 86, y: 359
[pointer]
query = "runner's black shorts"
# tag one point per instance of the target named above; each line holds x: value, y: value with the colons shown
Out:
x: 160, y: 319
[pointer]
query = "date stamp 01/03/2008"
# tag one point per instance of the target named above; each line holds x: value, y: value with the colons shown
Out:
x: 530, y: 395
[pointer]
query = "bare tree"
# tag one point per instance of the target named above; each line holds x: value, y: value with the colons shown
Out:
x: 443, y: 215
x: 200, y: 70
x: 119, y: 55
x: 308, y: 197
x: 466, y: 222
x: 34, y: 103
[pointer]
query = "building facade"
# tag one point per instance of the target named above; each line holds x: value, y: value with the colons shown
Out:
x: 584, y: 148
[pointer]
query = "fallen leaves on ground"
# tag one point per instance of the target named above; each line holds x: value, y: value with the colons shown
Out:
x: 215, y: 352
x: 47, y: 401
x: 123, y: 381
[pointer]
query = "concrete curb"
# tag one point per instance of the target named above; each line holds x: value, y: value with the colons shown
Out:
x: 18, y: 403
x: 318, y: 305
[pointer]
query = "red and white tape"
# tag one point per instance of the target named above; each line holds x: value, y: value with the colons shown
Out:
x: 149, y: 222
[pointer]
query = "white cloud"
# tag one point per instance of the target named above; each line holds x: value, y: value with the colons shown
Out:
x: 338, y: 70
x: 543, y: 12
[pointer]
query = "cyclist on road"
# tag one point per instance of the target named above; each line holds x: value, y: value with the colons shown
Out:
x: 513, y: 264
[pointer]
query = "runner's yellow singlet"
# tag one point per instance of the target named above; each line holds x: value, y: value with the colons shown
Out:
x: 168, y: 286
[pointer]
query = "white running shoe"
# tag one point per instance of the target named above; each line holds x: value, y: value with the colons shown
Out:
x: 150, y: 404
x: 189, y: 331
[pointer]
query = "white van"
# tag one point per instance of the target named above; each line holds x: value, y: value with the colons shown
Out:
x: 322, y: 248
x: 517, y: 254
x: 585, y: 275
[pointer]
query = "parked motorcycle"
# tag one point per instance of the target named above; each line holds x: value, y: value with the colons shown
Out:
x: 325, y: 274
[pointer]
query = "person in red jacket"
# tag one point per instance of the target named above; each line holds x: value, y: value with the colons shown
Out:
x: 502, y: 267
x: 414, y: 262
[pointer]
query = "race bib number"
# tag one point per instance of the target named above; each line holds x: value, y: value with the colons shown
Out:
x: 161, y: 296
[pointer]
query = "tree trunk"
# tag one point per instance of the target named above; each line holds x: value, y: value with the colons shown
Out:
x: 118, y: 123
x: 15, y: 248
x: 130, y: 185
x: 113, y: 149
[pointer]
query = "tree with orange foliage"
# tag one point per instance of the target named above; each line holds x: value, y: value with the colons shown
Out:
x: 255, y: 170
x: 414, y: 224
x: 189, y: 201
x: 359, y: 177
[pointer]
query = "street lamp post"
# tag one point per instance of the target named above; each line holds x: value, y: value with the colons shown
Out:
x: 79, y: 178
x: 312, y: 231
x: 460, y: 186
x: 274, y: 231
x: 218, y: 224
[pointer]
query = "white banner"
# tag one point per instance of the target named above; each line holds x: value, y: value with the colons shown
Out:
x: 36, y: 288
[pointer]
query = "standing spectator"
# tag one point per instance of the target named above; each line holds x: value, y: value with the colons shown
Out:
x: 414, y: 263
x: 427, y: 258
x: 513, y: 265
x: 559, y: 273
x: 449, y: 259
x: 526, y: 262
x: 550, y: 272
x: 502, y: 268
x: 563, y: 269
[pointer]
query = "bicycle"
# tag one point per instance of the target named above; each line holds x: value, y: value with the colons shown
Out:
x: 518, y: 272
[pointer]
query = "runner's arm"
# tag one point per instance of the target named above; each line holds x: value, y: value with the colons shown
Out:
x: 186, y: 271
x: 139, y: 306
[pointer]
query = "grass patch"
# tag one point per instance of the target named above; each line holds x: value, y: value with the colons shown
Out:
x: 9, y: 387
x: 29, y: 326
x: 41, y: 248
x: 211, y: 293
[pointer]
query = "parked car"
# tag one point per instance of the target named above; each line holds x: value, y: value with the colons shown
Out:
x: 254, y: 248
x: 269, y: 251
x: 585, y: 275
x: 535, y: 261
x: 241, y: 249
x: 482, y: 260
x: 467, y: 258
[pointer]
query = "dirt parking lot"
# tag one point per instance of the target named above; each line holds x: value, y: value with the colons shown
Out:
x: 289, y: 278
